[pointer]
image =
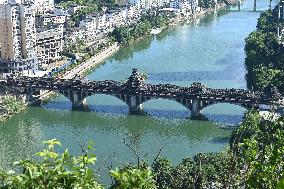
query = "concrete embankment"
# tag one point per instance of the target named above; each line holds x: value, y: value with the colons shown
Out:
x: 93, y: 61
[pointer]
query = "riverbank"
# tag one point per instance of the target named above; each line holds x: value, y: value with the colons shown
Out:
x: 9, y: 106
x: 203, y: 13
x: 93, y: 61
x: 153, y: 23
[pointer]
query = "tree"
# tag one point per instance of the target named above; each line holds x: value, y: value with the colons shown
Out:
x: 264, y: 52
x: 259, y: 147
x: 133, y: 178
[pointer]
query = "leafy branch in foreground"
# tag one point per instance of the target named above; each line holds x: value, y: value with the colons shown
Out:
x: 54, y: 170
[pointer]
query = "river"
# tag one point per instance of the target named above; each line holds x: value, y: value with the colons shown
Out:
x: 209, y: 50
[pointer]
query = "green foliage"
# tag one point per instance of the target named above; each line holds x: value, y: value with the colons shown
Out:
x: 77, y: 2
x: 255, y: 160
x: 54, y: 170
x: 280, y: 185
x: 206, y: 3
x: 80, y: 15
x: 128, y: 34
x: 201, y: 171
x: 11, y: 104
x: 259, y: 148
x: 133, y: 178
x: 265, y: 55
x: 163, y: 170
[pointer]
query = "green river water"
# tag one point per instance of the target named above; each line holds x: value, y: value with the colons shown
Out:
x: 209, y: 50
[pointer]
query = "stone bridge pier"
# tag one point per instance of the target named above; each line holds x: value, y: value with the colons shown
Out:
x: 134, y: 102
x: 195, y: 106
x: 32, y: 97
x: 77, y: 98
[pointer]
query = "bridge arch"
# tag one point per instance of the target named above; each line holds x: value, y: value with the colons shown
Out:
x: 165, y: 107
x: 181, y: 102
x: 245, y: 106
x: 224, y: 112
x: 79, y: 98
x: 117, y: 98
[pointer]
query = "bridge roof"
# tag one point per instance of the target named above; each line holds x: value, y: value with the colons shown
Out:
x: 135, y: 81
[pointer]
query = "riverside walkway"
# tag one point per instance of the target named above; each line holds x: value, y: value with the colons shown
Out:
x: 134, y: 92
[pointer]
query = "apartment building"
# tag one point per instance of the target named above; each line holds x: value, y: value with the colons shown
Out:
x: 116, y: 17
x: 142, y: 4
x: 182, y: 6
x: 44, y: 6
x: 49, y: 43
x: 75, y: 35
x: 133, y: 12
x: 146, y: 4
x: 74, y: 8
x: 17, y: 37
x: 60, y: 11
x: 194, y: 6
x: 49, y: 19
x: 160, y: 3
x: 135, y: 3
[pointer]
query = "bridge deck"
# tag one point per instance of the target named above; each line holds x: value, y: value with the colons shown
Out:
x: 136, y: 86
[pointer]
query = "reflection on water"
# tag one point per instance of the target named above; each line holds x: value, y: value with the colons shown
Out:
x: 208, y: 50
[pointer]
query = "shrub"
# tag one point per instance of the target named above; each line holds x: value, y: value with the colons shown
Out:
x: 54, y: 170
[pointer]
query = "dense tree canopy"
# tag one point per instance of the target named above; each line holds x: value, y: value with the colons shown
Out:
x: 128, y: 34
x: 265, y: 54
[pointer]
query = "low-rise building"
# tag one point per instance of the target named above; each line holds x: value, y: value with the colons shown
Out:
x: 74, y: 8
x: 50, y: 19
x: 116, y: 17
x: 133, y: 12
x: 89, y: 24
x: 160, y: 3
x: 75, y: 35
x: 44, y: 6
x: 135, y: 3
x: 59, y: 10
x: 194, y: 6
x: 182, y: 6
x: 168, y: 10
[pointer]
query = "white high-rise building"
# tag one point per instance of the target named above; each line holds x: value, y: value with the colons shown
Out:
x: 17, y: 37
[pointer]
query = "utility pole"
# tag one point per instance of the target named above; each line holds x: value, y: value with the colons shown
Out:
x: 254, y: 5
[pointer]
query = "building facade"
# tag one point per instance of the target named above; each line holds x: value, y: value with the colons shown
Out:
x: 49, y: 44
x: 49, y: 19
x: 17, y: 37
x: 116, y: 17
x: 44, y: 6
